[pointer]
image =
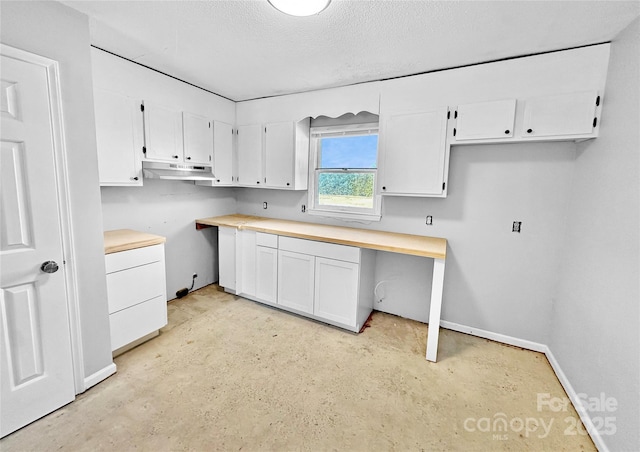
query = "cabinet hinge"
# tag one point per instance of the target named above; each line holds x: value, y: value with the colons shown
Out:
x: 444, y: 184
x: 144, y: 150
x: 454, y: 131
x: 448, y: 115
x: 455, y: 114
x: 265, y: 130
x: 209, y: 124
x: 141, y: 107
x: 209, y: 158
x: 597, y: 101
x: 595, y: 121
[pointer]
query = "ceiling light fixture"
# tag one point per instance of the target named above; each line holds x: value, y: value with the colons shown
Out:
x: 300, y: 7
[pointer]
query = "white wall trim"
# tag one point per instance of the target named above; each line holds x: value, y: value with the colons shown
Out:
x: 100, y: 375
x: 510, y: 340
x: 64, y: 202
x: 577, y: 402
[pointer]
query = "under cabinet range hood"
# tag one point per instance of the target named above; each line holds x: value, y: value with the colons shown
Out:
x: 174, y: 171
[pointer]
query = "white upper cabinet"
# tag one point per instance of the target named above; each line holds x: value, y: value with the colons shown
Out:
x: 223, y: 162
x: 198, y: 139
x: 162, y: 133
x: 250, y: 155
x: 413, y: 153
x: 286, y: 154
x: 119, y: 138
x: 485, y: 120
x: 274, y: 155
x: 563, y: 115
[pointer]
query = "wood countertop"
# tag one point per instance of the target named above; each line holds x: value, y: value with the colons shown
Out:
x: 394, y: 242
x: 128, y: 239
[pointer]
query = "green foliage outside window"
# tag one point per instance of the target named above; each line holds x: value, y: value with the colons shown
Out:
x: 346, y: 184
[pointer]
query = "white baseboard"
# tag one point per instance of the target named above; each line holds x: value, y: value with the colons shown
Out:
x: 100, y: 375
x: 595, y: 435
x: 510, y: 340
x: 537, y: 347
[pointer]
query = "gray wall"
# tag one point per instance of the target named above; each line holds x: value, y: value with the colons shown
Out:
x: 170, y: 208
x: 62, y: 34
x: 596, y: 319
x: 495, y: 279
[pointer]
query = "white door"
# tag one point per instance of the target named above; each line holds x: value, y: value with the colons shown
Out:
x: 266, y: 273
x: 36, y: 374
x: 162, y: 133
x: 227, y: 258
x: 336, y: 292
x: 278, y: 153
x: 485, y: 120
x: 414, y: 152
x: 198, y: 139
x: 250, y: 155
x: 564, y: 114
x: 223, y: 152
x: 296, y: 280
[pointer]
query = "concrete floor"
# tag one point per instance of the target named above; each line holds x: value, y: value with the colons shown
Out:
x: 231, y: 374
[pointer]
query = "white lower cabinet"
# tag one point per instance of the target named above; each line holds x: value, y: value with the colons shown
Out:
x: 324, y: 281
x: 296, y: 274
x: 136, y: 291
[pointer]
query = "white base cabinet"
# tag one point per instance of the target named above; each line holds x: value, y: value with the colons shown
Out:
x: 323, y: 281
x: 136, y: 290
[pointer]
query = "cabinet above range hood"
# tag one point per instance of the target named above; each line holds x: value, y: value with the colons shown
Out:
x: 173, y: 171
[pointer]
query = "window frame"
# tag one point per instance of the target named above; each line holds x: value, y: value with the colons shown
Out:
x: 342, y: 212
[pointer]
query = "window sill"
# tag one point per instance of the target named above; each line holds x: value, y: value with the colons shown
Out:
x: 347, y: 216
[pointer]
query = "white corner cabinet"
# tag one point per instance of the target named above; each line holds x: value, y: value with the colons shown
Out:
x: 273, y: 155
x: 119, y: 136
x: 136, y: 290
x: 560, y: 117
x: 323, y: 281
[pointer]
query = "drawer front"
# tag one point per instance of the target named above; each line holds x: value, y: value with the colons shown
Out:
x: 269, y: 240
x: 321, y: 249
x: 135, y: 285
x: 137, y: 321
x: 133, y: 258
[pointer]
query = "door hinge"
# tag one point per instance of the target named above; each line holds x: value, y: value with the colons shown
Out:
x: 444, y: 184
x: 141, y: 107
x: 454, y: 131
x: 595, y: 121
x: 448, y: 115
x: 597, y: 101
x: 455, y: 114
x: 144, y: 150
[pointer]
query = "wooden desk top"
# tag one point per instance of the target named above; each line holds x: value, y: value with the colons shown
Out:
x: 416, y: 245
x: 128, y: 239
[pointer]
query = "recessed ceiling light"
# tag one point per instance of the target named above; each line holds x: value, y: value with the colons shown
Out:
x: 300, y: 7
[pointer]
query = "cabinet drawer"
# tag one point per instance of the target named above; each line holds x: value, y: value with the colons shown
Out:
x: 132, y: 258
x: 129, y: 287
x: 320, y: 249
x: 269, y: 240
x: 137, y: 321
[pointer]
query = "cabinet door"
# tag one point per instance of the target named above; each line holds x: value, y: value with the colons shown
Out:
x: 250, y: 155
x: 336, y: 290
x: 266, y: 273
x: 279, y: 154
x: 566, y: 114
x: 162, y: 133
x: 119, y: 138
x: 227, y: 257
x: 414, y: 152
x: 296, y: 280
x: 198, y: 139
x: 485, y: 120
x: 246, y: 284
x: 223, y: 153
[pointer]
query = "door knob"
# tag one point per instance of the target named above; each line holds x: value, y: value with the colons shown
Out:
x: 49, y: 267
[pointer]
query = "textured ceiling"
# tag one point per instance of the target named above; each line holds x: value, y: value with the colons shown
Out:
x: 244, y: 49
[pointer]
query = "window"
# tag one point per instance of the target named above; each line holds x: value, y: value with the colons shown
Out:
x: 343, y: 171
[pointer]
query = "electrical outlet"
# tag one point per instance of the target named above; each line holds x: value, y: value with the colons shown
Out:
x: 195, y: 275
x: 516, y: 226
x: 264, y: 205
x: 429, y: 220
x: 304, y: 208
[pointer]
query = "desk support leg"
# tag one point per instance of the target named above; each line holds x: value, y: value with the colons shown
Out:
x: 434, y: 313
